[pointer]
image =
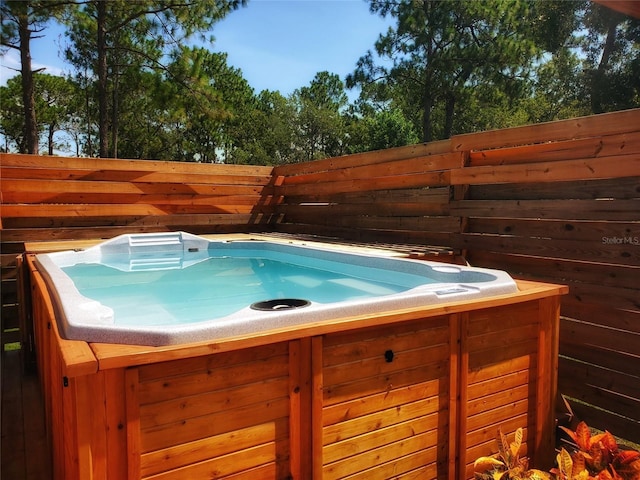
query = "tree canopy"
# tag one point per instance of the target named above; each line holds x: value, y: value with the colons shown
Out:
x: 141, y: 89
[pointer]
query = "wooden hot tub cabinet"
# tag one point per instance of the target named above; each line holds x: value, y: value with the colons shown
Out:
x: 420, y: 391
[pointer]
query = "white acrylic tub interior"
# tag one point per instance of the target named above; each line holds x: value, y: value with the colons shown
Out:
x: 82, y: 318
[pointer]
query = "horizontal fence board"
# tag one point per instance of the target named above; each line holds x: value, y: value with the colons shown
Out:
x: 604, y: 233
x: 607, y: 359
x: 431, y: 242
x: 111, y: 210
x: 424, y: 194
x: 621, y: 210
x: 598, y: 146
x: 625, y: 254
x: 15, y: 225
x: 429, y: 179
x: 618, y: 188
x: 426, y: 224
x: 581, y: 169
x: 605, y: 339
x: 605, y: 315
x: 621, y: 298
x: 592, y: 126
x: 141, y: 166
x: 128, y: 176
x: 336, y: 210
x: 366, y: 158
x: 231, y: 225
x: 603, y: 388
x: 626, y: 428
x: 416, y: 165
x: 557, y: 270
x: 21, y: 190
x: 106, y: 198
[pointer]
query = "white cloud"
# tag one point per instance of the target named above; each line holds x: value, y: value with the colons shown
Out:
x: 10, y: 67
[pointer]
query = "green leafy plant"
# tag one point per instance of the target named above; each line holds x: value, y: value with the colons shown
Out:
x: 507, y: 464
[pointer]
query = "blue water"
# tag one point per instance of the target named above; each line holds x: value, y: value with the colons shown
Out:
x: 217, y: 287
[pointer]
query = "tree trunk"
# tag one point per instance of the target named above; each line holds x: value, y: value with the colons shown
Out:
x: 427, y: 127
x: 115, y: 110
x: 50, y: 138
x: 103, y: 107
x: 450, y: 105
x: 30, y: 121
x: 600, y: 73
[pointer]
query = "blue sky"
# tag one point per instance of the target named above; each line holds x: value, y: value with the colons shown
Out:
x: 278, y: 44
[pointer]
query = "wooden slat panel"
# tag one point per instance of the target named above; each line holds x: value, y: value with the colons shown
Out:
x: 437, y: 195
x: 425, y: 224
x: 184, y: 431
x: 403, y: 361
x: 603, y: 233
x: 382, y: 412
x: 63, y: 227
x: 513, y: 386
x: 582, y: 169
x: 142, y: 167
x: 602, y: 315
x: 620, y: 298
x: 429, y: 179
x: 599, y: 146
x: 372, y: 386
x: 608, y: 390
x: 107, y: 197
x: 227, y: 412
x: 219, y: 445
x: 604, y: 339
x: 619, y: 188
x: 592, y: 126
x: 252, y: 461
x: 367, y: 158
x: 114, y: 210
x: 119, y: 175
x: 414, y: 165
x: 336, y: 210
x: 206, y: 364
x: 384, y: 454
x: 410, y: 466
x: 199, y: 382
x: 431, y: 242
x: 375, y: 403
x: 623, y: 427
x: 190, y: 406
x: 557, y: 270
x: 503, y: 412
x: 623, y: 254
x: 394, y: 415
x: 621, y: 210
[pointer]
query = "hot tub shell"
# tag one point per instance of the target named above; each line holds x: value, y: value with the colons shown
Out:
x: 420, y: 389
x: 82, y: 318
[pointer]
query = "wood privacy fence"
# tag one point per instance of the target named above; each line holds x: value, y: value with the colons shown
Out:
x: 57, y: 198
x: 557, y: 202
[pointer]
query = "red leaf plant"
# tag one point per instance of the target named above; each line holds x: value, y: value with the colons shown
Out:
x: 601, y: 456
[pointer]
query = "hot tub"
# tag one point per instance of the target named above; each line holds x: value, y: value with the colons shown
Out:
x: 171, y: 288
x: 403, y: 391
